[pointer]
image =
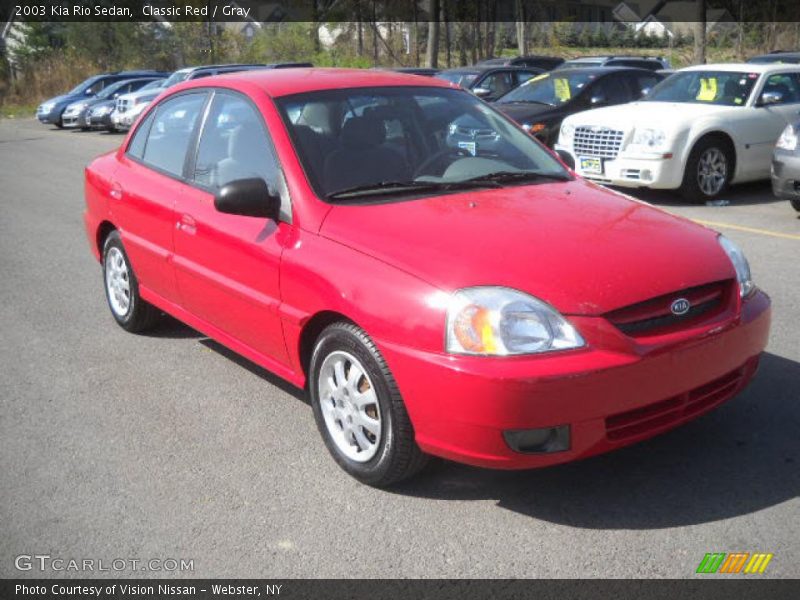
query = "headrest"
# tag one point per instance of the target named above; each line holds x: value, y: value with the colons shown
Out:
x: 363, y: 131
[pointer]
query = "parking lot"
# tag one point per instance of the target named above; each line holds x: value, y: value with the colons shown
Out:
x: 167, y: 445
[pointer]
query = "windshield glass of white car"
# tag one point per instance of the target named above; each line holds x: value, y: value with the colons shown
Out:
x: 727, y: 88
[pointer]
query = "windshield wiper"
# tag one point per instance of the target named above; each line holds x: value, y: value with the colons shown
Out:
x: 399, y: 187
x: 500, y: 177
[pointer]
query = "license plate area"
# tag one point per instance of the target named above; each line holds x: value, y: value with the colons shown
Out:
x: 591, y: 165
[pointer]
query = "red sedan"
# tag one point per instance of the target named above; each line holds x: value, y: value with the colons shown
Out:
x: 434, y: 277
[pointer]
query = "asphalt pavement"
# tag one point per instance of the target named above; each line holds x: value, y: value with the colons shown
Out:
x: 167, y: 446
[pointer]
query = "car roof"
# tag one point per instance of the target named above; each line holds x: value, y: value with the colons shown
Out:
x: 746, y: 67
x: 483, y: 68
x: 287, y: 82
x: 602, y: 70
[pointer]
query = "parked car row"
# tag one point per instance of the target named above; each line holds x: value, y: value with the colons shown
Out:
x: 626, y: 121
x: 92, y: 102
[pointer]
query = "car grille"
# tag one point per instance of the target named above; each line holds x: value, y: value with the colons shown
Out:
x: 597, y: 141
x: 122, y: 105
x: 672, y: 411
x: 654, y: 316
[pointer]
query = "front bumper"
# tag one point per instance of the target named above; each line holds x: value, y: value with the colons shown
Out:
x: 100, y: 121
x: 612, y: 393
x: 49, y: 118
x: 786, y: 175
x: 72, y: 120
x: 633, y: 171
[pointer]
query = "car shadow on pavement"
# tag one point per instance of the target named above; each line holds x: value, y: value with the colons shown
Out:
x: 170, y: 328
x: 742, y: 194
x: 253, y: 368
x: 741, y: 458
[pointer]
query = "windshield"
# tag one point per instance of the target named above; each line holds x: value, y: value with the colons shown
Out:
x: 375, y: 141
x: 83, y: 85
x: 459, y: 78
x: 108, y: 91
x: 550, y: 88
x: 725, y: 88
x: 176, y: 77
x: 154, y: 85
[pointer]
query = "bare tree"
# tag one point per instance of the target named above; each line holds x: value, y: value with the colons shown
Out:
x: 432, y: 51
x: 522, y: 30
x: 700, y: 32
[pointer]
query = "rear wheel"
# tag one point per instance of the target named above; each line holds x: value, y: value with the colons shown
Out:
x: 122, y: 288
x: 709, y: 170
x: 358, y: 408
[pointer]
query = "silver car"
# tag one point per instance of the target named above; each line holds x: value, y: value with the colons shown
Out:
x: 786, y: 166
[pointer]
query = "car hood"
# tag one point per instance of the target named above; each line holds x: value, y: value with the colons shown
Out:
x: 522, y: 111
x: 67, y: 98
x: 579, y: 247
x: 671, y: 115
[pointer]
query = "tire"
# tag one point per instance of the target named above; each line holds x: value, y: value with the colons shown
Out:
x: 59, y: 123
x: 127, y: 307
x: 384, y: 454
x: 711, y: 153
x: 795, y: 204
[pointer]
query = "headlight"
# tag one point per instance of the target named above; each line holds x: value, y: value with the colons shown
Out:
x: 48, y: 106
x: 740, y: 265
x: 567, y: 131
x: 500, y: 321
x: 650, y: 138
x: 788, y: 139
x: 101, y: 110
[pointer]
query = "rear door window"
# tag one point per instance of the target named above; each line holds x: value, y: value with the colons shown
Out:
x: 171, y: 132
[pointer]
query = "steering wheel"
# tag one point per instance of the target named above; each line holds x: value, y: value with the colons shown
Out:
x: 437, y: 156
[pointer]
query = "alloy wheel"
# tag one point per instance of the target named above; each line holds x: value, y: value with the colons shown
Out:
x: 712, y: 171
x: 350, y: 406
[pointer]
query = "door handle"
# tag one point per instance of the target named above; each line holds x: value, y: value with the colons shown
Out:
x: 187, y: 224
x: 116, y: 191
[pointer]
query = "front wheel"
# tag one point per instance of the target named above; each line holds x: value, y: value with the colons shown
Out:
x: 709, y: 170
x: 358, y: 408
x: 122, y: 288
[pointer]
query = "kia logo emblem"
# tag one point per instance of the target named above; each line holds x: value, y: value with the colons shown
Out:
x: 680, y: 306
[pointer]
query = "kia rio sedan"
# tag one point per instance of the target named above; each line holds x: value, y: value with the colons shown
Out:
x: 477, y: 302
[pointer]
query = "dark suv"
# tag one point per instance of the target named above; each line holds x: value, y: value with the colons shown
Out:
x: 548, y: 63
x: 542, y: 103
x: 651, y: 63
x: 51, y: 111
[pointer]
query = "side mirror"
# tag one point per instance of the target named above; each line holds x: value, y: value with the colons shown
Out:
x: 89, y: 92
x: 645, y: 92
x: 248, y: 198
x: 598, y: 100
x: 770, y: 98
x: 481, y: 92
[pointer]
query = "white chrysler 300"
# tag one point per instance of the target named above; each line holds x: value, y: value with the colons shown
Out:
x: 699, y: 130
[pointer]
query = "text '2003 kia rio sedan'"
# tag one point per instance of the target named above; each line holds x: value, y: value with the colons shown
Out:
x: 466, y: 299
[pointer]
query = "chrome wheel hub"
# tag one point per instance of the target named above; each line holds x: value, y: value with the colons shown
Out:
x: 118, y: 283
x: 349, y: 406
x: 712, y: 171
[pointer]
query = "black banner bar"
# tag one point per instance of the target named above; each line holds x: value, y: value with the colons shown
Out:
x: 395, y: 589
x: 331, y: 11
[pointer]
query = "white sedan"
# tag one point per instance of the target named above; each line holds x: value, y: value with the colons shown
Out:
x: 699, y: 130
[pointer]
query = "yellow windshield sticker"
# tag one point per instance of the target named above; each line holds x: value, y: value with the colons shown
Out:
x: 561, y: 87
x: 708, y: 89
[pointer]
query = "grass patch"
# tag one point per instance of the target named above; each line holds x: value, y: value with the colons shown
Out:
x: 17, y: 111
